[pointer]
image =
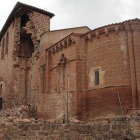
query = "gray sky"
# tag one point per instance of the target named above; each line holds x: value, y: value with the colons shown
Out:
x: 74, y: 13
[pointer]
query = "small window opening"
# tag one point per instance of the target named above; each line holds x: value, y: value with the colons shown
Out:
x: 38, y: 47
x: 0, y: 103
x: 24, y: 20
x: 0, y: 89
x: 97, y: 77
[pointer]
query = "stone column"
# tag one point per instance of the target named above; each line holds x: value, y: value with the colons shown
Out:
x: 135, y: 26
x: 132, y: 64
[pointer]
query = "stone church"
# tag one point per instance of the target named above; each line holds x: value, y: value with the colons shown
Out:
x: 76, y: 71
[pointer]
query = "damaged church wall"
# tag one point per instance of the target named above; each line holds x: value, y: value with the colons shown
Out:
x: 25, y: 68
x: 17, y: 78
x: 41, y: 23
x: 37, y: 25
x: 91, y: 67
x: 35, y: 62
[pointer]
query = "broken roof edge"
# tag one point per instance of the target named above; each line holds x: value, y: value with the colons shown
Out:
x: 73, y: 34
x: 16, y: 7
x: 113, y: 24
x: 65, y: 29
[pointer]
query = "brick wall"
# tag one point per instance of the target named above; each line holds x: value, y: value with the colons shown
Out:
x: 14, y: 73
x: 52, y: 101
x: 110, y: 55
x: 40, y: 23
x: 105, y: 102
x: 70, y: 65
x: 106, y: 52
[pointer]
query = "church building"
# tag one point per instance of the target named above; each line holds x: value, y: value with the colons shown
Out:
x: 77, y: 72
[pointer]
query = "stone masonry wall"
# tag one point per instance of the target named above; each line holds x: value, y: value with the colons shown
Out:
x: 52, y: 102
x: 24, y: 72
x: 105, y: 102
x: 110, y: 56
x: 6, y: 66
x: 101, y: 129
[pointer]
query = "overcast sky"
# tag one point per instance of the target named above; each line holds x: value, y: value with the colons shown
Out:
x: 74, y: 13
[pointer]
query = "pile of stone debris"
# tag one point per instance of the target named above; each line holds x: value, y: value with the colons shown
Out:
x: 21, y: 115
x: 14, y: 115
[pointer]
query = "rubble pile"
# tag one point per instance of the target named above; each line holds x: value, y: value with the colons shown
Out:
x: 20, y: 114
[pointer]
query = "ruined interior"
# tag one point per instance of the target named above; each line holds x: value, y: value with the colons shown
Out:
x: 26, y: 47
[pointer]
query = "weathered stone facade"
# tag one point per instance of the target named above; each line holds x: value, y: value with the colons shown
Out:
x: 79, y: 68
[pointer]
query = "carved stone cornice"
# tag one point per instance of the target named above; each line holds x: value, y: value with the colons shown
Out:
x: 90, y: 37
x: 57, y: 48
x: 64, y: 43
x: 60, y: 46
x: 106, y: 31
x: 68, y: 41
x: 127, y: 26
x: 97, y: 34
x: 62, y: 60
x: 116, y: 30
x: 132, y: 26
x: 135, y: 28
